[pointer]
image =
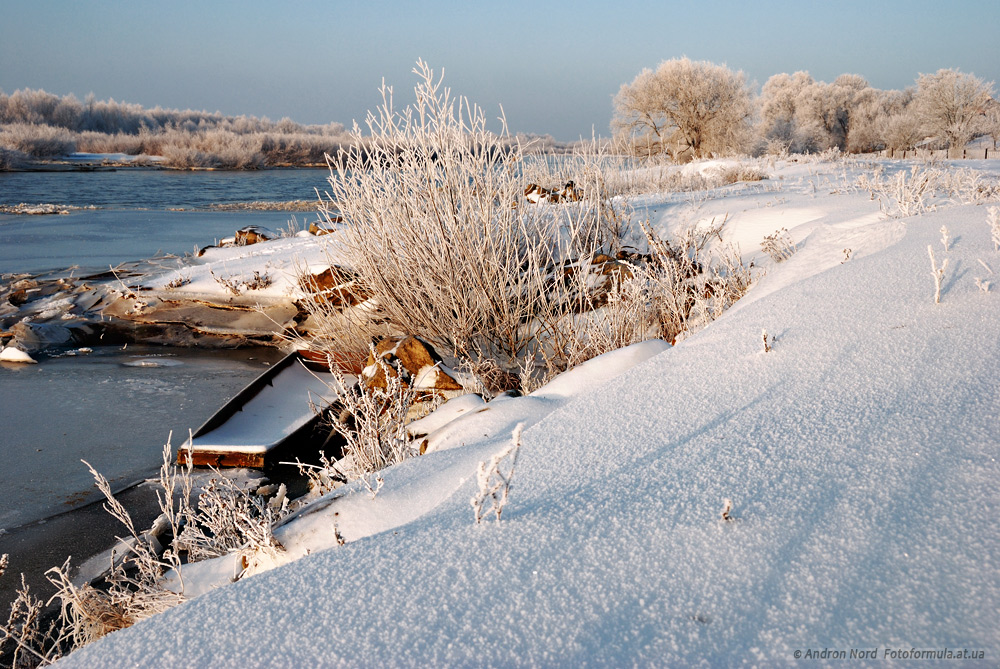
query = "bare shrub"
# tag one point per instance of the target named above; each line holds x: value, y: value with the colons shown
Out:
x: 439, y: 236
x: 923, y: 188
x: 494, y: 484
x: 236, y: 285
x: 322, y: 478
x: 133, y: 591
x: 674, y: 290
x: 372, y: 422
x: 993, y: 220
x: 11, y: 159
x: 937, y: 273
x: 227, y: 519
x: 189, y: 138
x: 27, y: 639
x: 778, y: 245
x: 39, y: 141
x: 967, y: 186
x: 230, y: 519
x: 910, y: 193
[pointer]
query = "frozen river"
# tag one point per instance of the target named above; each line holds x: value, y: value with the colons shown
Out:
x: 115, y: 407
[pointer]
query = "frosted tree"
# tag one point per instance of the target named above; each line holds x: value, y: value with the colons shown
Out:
x: 897, y: 124
x: 950, y: 105
x: 687, y: 109
x: 991, y: 121
x: 824, y: 113
x: 778, y: 106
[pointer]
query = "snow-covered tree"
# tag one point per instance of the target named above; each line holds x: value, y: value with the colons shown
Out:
x: 991, y: 121
x: 777, y: 108
x: 687, y: 109
x: 824, y: 112
x: 950, y: 105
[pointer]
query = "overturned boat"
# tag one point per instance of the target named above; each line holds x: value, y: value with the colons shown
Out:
x: 278, y: 412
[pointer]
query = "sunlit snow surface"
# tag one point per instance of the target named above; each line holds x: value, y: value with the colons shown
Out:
x: 860, y: 456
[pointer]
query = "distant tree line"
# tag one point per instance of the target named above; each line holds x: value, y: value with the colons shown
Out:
x: 692, y: 109
x: 36, y: 124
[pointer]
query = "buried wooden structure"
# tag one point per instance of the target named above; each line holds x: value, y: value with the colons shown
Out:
x: 278, y: 410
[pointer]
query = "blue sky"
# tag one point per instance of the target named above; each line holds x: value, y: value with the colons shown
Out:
x: 554, y: 66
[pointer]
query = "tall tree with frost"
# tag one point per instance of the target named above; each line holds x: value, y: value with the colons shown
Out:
x: 824, y: 112
x: 688, y: 109
x: 950, y: 105
x: 778, y: 105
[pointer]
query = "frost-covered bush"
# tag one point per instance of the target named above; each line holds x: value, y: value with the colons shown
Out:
x: 12, y: 158
x: 372, y: 422
x: 227, y: 518
x: 439, y: 235
x: 670, y: 179
x: 778, y: 245
x: 904, y: 193
x: 39, y: 141
x: 42, y: 125
x: 921, y: 189
x: 494, y: 479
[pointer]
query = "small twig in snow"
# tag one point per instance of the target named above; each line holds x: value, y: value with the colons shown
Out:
x: 937, y: 273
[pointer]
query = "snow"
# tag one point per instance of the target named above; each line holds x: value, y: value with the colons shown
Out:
x: 281, y: 260
x: 860, y: 455
x: 14, y: 354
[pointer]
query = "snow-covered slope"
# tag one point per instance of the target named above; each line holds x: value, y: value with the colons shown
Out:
x: 859, y: 456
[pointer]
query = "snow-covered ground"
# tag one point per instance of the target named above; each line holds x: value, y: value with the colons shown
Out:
x: 856, y: 462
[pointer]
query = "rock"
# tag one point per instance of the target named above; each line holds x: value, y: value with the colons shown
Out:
x: 571, y: 193
x: 415, y: 362
x: 534, y: 193
x: 325, y: 227
x: 18, y: 297
x: 32, y: 336
x: 334, y: 286
x: 253, y: 234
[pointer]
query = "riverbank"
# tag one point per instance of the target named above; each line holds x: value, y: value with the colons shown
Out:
x: 796, y: 474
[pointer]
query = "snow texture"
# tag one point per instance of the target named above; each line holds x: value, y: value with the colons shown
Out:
x: 859, y: 455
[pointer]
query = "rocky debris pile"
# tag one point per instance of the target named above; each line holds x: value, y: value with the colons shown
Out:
x: 119, y: 306
x: 536, y: 194
x: 43, y: 209
x: 325, y: 227
x: 335, y: 287
x: 253, y: 234
x: 418, y: 367
x: 245, y: 236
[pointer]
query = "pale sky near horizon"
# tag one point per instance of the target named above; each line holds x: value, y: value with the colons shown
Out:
x: 554, y: 66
